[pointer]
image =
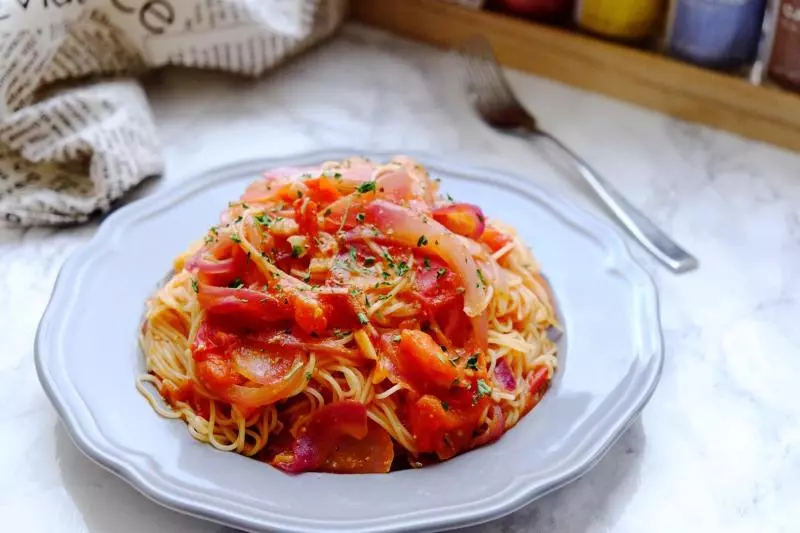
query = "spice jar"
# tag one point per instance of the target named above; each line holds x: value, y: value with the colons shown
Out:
x: 627, y: 20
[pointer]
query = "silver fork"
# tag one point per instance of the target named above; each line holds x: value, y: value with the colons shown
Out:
x: 497, y: 105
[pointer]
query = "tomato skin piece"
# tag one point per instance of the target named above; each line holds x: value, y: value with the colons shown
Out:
x: 322, y: 190
x: 371, y: 455
x: 494, y: 238
x: 309, y: 314
x: 318, y: 437
x: 461, y: 218
x: 216, y: 374
x: 537, y: 381
x: 436, y: 286
x: 306, y: 215
x: 245, y: 304
x: 423, y: 359
x: 210, y: 340
x: 444, y: 431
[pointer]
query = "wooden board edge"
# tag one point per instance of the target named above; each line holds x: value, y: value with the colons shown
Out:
x: 639, y: 77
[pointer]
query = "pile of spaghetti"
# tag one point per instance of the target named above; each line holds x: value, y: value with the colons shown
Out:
x: 346, y: 318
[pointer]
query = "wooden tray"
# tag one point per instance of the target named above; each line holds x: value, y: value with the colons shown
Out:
x: 640, y: 77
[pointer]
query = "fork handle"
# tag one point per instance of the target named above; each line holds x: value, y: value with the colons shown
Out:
x: 648, y: 234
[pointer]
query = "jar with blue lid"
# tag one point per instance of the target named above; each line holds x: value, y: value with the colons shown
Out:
x: 721, y: 34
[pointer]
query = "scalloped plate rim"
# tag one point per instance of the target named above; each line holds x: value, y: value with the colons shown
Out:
x: 133, y: 467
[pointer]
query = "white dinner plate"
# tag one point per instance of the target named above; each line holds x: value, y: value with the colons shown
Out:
x: 610, y: 360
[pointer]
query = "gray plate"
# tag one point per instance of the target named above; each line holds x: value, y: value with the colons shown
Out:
x: 87, y: 357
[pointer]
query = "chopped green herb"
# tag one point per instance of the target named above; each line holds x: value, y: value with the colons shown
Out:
x: 441, y: 272
x: 235, y: 238
x: 472, y: 362
x: 450, y: 197
x: 263, y: 219
x: 480, y: 275
x: 354, y: 292
x: 389, y: 258
x: 337, y: 176
x: 209, y: 238
x: 363, y: 319
x: 299, y: 194
x: 369, y: 261
x: 195, y: 286
x: 422, y: 241
x: 396, y: 338
x: 307, y: 277
x: 236, y: 284
x: 385, y: 274
x: 366, y: 300
x: 297, y: 251
x: 327, y: 212
x: 238, y: 219
x: 402, y: 267
x: 352, y: 252
x: 443, y: 347
x: 309, y: 375
x: 427, y: 263
x: 360, y: 217
x: 244, y: 205
x: 445, y: 406
x: 341, y: 333
x: 214, y: 230
x: 366, y: 187
x: 484, y: 389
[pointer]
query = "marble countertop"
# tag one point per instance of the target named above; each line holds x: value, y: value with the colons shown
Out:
x: 718, y: 446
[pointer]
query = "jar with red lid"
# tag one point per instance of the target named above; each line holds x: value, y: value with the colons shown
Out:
x: 544, y: 10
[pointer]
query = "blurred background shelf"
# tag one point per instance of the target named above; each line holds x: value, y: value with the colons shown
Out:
x: 644, y: 78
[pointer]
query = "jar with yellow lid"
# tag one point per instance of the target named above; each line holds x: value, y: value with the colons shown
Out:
x: 627, y: 20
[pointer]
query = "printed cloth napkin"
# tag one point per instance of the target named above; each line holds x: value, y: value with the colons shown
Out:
x: 76, y: 131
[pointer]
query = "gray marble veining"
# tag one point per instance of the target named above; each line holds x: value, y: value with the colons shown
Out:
x: 717, y: 448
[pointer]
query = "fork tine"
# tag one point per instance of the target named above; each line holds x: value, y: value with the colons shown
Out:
x: 486, y: 80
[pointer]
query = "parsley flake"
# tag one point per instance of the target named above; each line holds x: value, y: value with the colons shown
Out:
x: 472, y: 362
x: 195, y: 286
x: 369, y: 261
x: 427, y: 263
x: 422, y: 241
x: 445, y: 406
x: 236, y: 283
x: 309, y: 375
x: 483, y: 390
x: 480, y: 275
x: 360, y: 217
x: 366, y: 187
x: 297, y: 251
x: 235, y: 238
x: 363, y: 319
x: 327, y: 212
x: 441, y: 272
x: 402, y: 267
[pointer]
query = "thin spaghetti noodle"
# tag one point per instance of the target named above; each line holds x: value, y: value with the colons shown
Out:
x: 348, y: 319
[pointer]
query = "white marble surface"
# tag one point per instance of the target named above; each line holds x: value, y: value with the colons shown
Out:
x: 717, y: 448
